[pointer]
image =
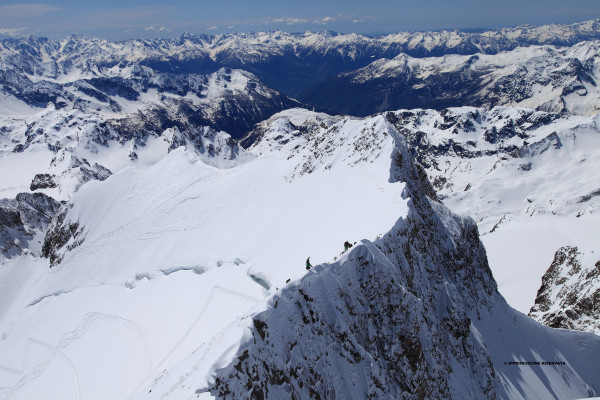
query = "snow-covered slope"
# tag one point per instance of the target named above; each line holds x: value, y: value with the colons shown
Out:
x: 528, y: 178
x: 55, y: 152
x: 570, y: 293
x: 158, y: 270
x: 135, y: 100
x: 170, y: 255
x: 547, y: 78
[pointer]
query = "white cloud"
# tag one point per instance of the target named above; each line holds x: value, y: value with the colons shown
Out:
x: 155, y: 29
x: 295, y: 21
x: 324, y: 21
x: 231, y: 27
x: 211, y: 28
x: 11, y: 31
x: 287, y: 21
x: 159, y: 29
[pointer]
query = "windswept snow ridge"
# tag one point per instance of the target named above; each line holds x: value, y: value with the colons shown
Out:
x: 415, y: 314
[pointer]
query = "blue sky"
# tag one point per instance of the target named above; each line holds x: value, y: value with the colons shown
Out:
x: 117, y: 20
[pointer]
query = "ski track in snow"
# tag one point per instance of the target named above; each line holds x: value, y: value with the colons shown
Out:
x: 66, y: 360
x: 92, y: 317
x: 201, y: 314
x: 162, y: 207
x: 67, y: 339
x: 126, y: 231
x: 38, y: 370
x: 212, y: 342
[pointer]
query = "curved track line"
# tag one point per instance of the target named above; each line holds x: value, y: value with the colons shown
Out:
x: 215, y: 288
x: 38, y: 371
x: 64, y: 341
x: 66, y: 360
x: 90, y: 318
x: 201, y: 314
x: 22, y: 370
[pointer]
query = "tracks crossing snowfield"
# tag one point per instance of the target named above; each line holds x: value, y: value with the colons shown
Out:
x: 139, y: 221
x: 71, y: 339
x: 214, y: 290
x: 63, y: 345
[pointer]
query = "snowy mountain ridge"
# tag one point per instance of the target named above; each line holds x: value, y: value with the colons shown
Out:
x: 288, y: 62
x: 247, y: 47
x: 141, y: 244
x: 142, y: 240
x: 137, y: 100
x: 469, y: 155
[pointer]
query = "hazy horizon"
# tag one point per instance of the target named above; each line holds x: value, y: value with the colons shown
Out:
x: 156, y: 19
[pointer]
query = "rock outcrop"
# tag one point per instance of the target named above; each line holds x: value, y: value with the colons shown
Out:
x: 569, y: 297
x: 23, y: 221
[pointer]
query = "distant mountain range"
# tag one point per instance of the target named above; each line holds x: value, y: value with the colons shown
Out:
x: 546, y: 78
x: 306, y: 66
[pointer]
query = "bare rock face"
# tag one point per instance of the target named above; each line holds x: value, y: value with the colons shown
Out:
x: 42, y: 181
x: 61, y: 236
x: 569, y: 297
x: 23, y: 221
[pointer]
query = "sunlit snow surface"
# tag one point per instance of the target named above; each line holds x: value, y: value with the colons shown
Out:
x: 175, y: 253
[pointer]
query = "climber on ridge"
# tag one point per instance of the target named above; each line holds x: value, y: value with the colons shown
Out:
x: 308, y: 265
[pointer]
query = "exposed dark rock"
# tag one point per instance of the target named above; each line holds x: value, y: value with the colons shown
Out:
x: 61, y: 237
x: 569, y: 296
x: 23, y: 221
x: 42, y: 181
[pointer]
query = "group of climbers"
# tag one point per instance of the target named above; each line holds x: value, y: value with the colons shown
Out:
x: 347, y: 246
